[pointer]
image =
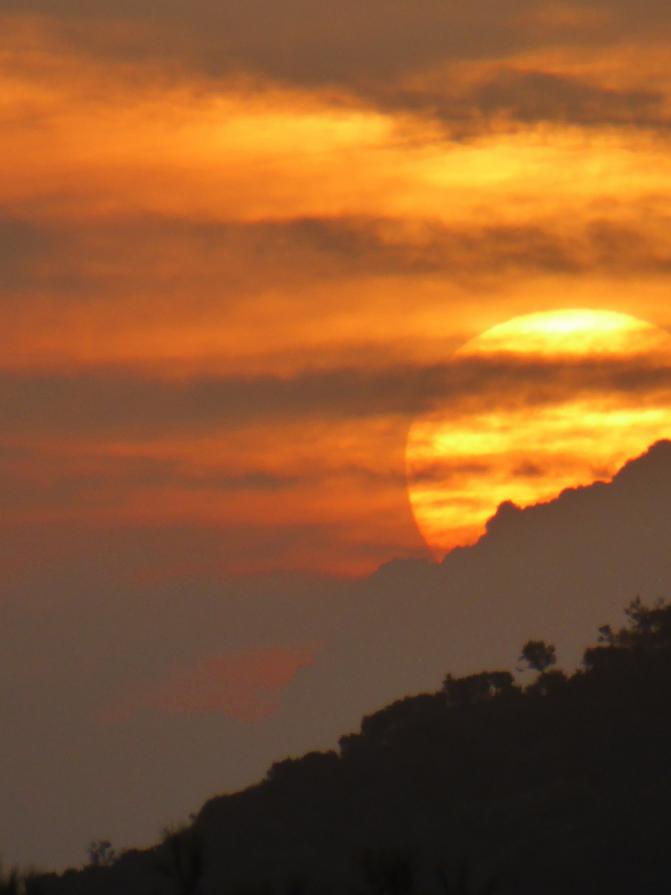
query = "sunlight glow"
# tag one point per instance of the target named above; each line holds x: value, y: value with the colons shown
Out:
x: 461, y: 464
x: 569, y: 332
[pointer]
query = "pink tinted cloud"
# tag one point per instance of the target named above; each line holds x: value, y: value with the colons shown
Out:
x: 245, y: 685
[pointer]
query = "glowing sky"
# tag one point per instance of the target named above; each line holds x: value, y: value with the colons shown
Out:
x: 239, y: 245
x: 201, y: 260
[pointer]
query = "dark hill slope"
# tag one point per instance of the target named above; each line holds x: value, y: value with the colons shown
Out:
x: 571, y: 787
x: 562, y: 788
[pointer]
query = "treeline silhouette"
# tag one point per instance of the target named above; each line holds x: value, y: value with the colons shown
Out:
x: 486, y: 786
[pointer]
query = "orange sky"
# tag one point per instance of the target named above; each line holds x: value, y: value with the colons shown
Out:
x: 307, y: 244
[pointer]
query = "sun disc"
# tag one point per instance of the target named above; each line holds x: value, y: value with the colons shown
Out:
x: 561, y: 399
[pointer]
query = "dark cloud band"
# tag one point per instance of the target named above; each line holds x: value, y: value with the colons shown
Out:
x: 108, y: 401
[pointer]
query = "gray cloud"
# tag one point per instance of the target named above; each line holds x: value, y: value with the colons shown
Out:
x: 109, y: 401
x: 106, y: 402
x: 32, y: 478
x: 231, y: 262
x: 447, y: 470
x: 297, y: 40
x: 529, y: 96
x: 371, y: 50
x: 511, y: 96
x: 364, y: 246
x: 22, y: 247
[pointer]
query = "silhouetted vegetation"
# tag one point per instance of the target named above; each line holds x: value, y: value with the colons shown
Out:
x: 10, y: 882
x: 100, y: 853
x: 538, y: 655
x: 483, y: 787
x: 180, y: 858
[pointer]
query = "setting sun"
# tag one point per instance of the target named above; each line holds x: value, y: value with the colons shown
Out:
x: 555, y: 414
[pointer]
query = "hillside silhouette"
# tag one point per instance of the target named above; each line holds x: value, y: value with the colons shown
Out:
x: 561, y: 785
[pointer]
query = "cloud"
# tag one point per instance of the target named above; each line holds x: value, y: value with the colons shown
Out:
x: 111, y: 401
x: 368, y: 246
x: 505, y: 96
x: 243, y: 685
x: 298, y: 42
x: 22, y: 246
x: 308, y: 42
x: 374, y: 53
x: 189, y: 295
x: 235, y: 262
x: 60, y: 479
x: 530, y: 96
x: 133, y: 405
x: 447, y: 470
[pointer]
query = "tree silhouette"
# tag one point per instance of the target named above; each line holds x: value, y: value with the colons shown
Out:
x: 648, y: 627
x: 548, y: 683
x: 538, y: 655
x: 100, y: 853
x: 477, y: 687
x: 180, y: 858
